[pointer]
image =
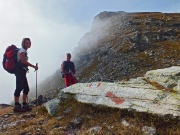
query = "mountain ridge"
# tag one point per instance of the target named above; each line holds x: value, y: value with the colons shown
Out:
x: 129, y: 46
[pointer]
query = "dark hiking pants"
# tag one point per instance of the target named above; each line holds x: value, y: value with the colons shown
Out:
x: 21, y: 82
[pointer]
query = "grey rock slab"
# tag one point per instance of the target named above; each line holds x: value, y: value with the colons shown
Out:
x: 135, y: 94
x: 52, y: 106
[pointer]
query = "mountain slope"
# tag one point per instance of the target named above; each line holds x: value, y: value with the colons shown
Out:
x: 123, y: 45
x: 119, y: 46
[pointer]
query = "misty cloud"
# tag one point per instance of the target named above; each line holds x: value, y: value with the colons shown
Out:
x: 51, y: 38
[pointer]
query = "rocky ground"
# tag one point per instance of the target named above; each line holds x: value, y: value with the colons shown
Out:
x: 74, y: 118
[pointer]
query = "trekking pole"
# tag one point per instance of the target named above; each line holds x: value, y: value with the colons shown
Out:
x: 36, y: 88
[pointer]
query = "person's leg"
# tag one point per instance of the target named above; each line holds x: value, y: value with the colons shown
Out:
x: 72, y: 81
x: 18, y: 88
x: 24, y: 98
x: 66, y: 80
x: 17, y: 92
x: 25, y: 105
x: 25, y: 93
x: 25, y: 89
x: 16, y: 100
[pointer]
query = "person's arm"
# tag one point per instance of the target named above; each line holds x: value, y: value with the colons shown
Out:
x: 74, y: 69
x: 62, y: 67
x: 24, y: 61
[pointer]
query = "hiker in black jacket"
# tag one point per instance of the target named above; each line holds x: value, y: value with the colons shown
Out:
x: 21, y: 81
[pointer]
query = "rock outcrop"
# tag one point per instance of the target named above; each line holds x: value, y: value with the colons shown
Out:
x: 138, y: 94
x: 52, y: 106
x: 168, y: 77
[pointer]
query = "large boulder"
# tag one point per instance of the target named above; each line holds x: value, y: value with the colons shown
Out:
x: 135, y: 94
x: 52, y: 106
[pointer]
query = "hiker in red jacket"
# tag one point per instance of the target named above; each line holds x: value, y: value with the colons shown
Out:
x: 21, y: 81
x: 68, y: 71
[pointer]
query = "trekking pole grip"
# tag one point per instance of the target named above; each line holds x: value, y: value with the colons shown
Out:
x: 36, y: 74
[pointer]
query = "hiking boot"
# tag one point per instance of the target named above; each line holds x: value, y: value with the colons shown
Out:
x: 27, y: 107
x: 18, y: 108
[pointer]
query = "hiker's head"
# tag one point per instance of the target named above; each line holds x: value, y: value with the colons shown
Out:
x: 26, y: 43
x: 68, y: 56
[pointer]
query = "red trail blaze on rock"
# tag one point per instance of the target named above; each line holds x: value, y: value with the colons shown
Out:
x: 94, y: 85
x: 114, y: 98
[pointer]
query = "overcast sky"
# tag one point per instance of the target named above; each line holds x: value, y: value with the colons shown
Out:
x: 55, y: 27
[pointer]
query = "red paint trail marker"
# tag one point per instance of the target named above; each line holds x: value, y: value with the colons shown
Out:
x: 114, y: 98
x: 94, y: 85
